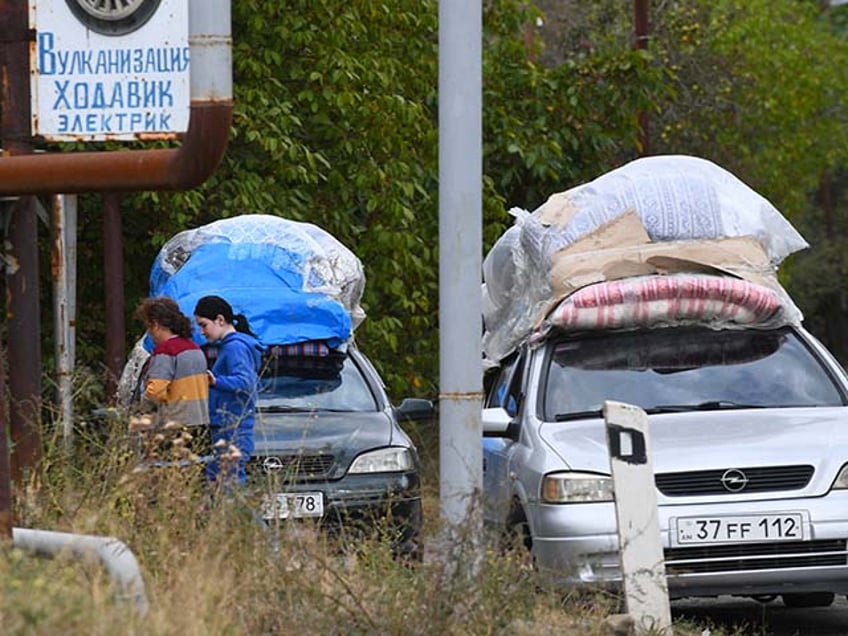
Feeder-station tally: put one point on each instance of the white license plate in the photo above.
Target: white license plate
(286, 505)
(785, 526)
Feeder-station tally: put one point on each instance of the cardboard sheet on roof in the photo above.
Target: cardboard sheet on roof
(622, 249)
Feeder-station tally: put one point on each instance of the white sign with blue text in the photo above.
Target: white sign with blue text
(107, 71)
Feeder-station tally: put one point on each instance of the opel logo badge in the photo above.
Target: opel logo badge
(272, 464)
(734, 480)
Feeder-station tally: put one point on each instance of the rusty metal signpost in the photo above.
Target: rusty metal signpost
(79, 70)
(99, 74)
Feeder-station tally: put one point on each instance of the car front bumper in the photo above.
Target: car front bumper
(384, 503)
(578, 544)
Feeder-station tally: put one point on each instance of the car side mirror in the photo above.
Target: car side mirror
(415, 409)
(498, 423)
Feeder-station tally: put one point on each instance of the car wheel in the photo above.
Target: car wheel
(808, 599)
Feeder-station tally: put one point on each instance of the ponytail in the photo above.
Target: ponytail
(241, 324)
(211, 307)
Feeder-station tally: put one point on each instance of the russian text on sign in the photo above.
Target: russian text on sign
(52, 61)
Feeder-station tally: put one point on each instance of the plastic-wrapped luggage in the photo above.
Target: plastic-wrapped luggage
(299, 287)
(653, 216)
(293, 281)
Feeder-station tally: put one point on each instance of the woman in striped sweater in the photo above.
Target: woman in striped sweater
(174, 381)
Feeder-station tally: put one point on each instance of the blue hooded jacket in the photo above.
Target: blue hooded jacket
(232, 400)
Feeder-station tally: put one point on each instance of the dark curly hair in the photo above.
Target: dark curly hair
(167, 313)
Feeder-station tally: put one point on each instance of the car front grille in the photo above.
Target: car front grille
(709, 482)
(757, 556)
(295, 466)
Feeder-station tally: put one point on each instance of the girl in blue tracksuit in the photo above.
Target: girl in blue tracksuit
(233, 384)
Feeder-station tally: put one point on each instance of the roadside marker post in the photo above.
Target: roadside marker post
(642, 563)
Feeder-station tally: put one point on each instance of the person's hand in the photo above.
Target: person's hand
(140, 423)
(211, 377)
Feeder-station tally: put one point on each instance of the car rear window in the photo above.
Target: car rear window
(314, 382)
(677, 369)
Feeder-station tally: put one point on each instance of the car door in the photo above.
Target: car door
(500, 413)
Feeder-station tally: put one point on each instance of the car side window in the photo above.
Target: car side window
(510, 393)
(498, 386)
(496, 382)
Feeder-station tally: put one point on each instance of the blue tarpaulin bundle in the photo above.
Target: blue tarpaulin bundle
(293, 281)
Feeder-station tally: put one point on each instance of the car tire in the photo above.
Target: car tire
(809, 599)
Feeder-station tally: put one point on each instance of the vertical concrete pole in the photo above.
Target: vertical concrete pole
(460, 263)
(22, 302)
(113, 256)
(640, 545)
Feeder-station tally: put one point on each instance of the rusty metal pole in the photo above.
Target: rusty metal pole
(22, 303)
(62, 224)
(5, 484)
(113, 253)
(640, 20)
(6, 522)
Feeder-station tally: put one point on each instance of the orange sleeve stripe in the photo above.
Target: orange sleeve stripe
(157, 390)
(192, 387)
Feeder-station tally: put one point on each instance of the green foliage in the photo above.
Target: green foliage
(760, 91)
(760, 88)
(335, 123)
(552, 124)
(756, 86)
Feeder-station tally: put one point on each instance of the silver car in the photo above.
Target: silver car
(749, 436)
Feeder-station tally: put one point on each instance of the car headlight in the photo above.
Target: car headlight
(841, 479)
(576, 488)
(383, 460)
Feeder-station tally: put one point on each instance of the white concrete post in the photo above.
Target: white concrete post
(460, 264)
(642, 563)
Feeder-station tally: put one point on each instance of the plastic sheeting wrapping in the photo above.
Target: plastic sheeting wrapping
(292, 280)
(678, 199)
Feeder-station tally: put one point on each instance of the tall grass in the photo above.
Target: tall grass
(211, 568)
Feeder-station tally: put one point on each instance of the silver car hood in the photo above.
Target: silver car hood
(698, 440)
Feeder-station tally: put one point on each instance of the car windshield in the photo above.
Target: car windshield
(306, 383)
(675, 369)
